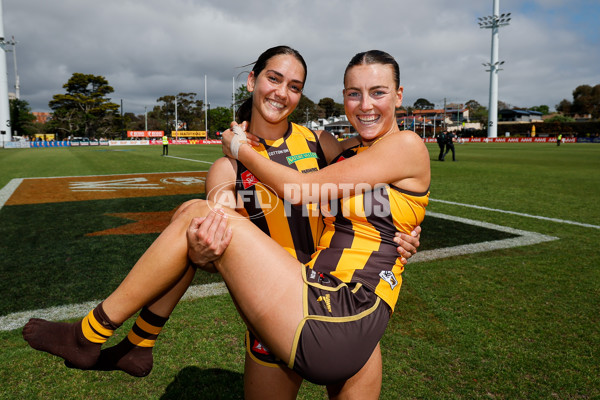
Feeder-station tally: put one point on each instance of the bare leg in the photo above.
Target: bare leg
(161, 266)
(264, 279)
(267, 383)
(134, 354)
(274, 312)
(365, 385)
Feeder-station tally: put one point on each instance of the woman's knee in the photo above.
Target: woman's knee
(189, 208)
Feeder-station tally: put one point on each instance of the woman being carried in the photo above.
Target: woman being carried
(293, 312)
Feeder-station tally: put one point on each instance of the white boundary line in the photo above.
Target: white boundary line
(524, 238)
(561, 221)
(72, 311)
(8, 190)
(189, 159)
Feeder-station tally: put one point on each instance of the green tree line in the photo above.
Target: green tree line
(86, 110)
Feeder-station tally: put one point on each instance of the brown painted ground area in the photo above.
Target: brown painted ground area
(83, 188)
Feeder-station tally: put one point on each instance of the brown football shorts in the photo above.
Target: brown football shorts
(343, 322)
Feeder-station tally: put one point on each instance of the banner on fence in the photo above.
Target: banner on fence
(510, 140)
(138, 134)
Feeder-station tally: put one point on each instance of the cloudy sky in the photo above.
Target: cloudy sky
(150, 48)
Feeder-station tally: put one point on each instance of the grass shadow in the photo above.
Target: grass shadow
(212, 383)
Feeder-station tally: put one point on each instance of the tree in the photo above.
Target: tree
(559, 118)
(473, 105)
(241, 94)
(503, 106)
(190, 112)
(84, 110)
(564, 107)
(219, 120)
(327, 104)
(544, 109)
(330, 108)
(339, 109)
(477, 112)
(586, 100)
(305, 111)
(423, 104)
(21, 119)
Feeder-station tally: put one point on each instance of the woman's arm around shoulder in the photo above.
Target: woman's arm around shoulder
(330, 145)
(400, 156)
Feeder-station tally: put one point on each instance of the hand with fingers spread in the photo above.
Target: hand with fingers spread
(407, 244)
(207, 238)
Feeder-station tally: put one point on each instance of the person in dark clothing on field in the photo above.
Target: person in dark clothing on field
(441, 141)
(450, 139)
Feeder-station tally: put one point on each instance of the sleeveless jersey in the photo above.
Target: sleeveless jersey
(357, 242)
(295, 228)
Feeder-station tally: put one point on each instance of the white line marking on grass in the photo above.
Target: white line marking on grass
(561, 221)
(524, 238)
(73, 311)
(189, 159)
(8, 190)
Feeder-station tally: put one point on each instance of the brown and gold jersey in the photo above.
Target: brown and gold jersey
(357, 242)
(296, 228)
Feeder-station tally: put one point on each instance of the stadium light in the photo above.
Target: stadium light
(494, 22)
(13, 43)
(5, 129)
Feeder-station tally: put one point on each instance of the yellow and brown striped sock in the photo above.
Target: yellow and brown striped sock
(133, 354)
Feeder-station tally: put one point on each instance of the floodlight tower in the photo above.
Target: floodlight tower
(17, 84)
(4, 107)
(494, 22)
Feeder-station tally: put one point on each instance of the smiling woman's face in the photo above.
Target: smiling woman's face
(277, 89)
(370, 100)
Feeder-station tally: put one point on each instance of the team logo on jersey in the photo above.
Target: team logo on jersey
(248, 179)
(342, 158)
(319, 277)
(326, 301)
(389, 277)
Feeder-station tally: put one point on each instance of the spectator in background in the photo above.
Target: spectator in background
(441, 141)
(450, 139)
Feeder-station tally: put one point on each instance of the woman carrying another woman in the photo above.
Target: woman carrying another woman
(276, 82)
(323, 319)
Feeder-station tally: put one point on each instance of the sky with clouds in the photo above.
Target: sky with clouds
(148, 49)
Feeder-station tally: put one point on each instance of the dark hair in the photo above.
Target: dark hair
(244, 112)
(375, 57)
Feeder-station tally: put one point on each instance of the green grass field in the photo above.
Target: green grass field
(515, 323)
